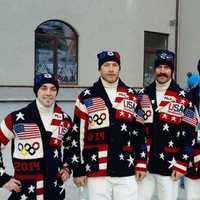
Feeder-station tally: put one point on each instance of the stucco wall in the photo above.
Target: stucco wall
(113, 24)
(189, 39)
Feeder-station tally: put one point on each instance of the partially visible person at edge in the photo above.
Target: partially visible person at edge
(192, 80)
(169, 126)
(192, 179)
(37, 133)
(108, 135)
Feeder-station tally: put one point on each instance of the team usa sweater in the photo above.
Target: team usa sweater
(108, 139)
(37, 154)
(169, 129)
(194, 164)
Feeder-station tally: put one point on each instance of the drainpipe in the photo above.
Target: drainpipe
(176, 36)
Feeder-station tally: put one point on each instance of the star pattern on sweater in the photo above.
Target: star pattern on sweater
(171, 144)
(68, 138)
(134, 98)
(178, 134)
(87, 168)
(183, 101)
(190, 165)
(19, 115)
(193, 142)
(171, 162)
(55, 153)
(74, 143)
(162, 156)
(94, 157)
(121, 113)
(31, 189)
(55, 183)
(55, 141)
(143, 154)
(130, 160)
(182, 93)
(183, 133)
(164, 116)
(130, 90)
(62, 188)
(65, 115)
(173, 119)
(141, 91)
(190, 104)
(166, 127)
(23, 197)
(75, 128)
(185, 156)
(75, 159)
(121, 157)
(123, 127)
(87, 92)
(135, 132)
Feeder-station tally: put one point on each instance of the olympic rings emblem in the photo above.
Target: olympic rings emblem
(97, 119)
(147, 114)
(27, 148)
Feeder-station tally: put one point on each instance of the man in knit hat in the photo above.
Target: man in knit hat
(37, 132)
(109, 151)
(169, 125)
(192, 180)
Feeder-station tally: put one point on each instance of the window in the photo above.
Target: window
(56, 51)
(152, 41)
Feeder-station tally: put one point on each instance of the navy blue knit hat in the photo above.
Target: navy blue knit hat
(164, 57)
(105, 56)
(41, 79)
(198, 66)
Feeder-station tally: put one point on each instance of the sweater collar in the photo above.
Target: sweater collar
(164, 86)
(44, 110)
(109, 85)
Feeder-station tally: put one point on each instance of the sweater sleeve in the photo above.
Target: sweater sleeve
(6, 134)
(188, 126)
(78, 130)
(67, 142)
(140, 145)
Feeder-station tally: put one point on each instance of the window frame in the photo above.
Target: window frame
(152, 50)
(55, 51)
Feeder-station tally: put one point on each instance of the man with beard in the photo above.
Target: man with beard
(38, 133)
(169, 125)
(109, 150)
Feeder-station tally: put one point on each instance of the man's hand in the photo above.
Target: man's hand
(13, 185)
(64, 174)
(176, 175)
(139, 175)
(80, 181)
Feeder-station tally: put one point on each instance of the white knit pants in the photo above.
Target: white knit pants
(112, 188)
(164, 186)
(192, 189)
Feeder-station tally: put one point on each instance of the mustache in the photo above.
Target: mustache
(162, 74)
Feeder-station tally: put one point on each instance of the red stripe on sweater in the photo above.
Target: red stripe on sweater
(3, 139)
(80, 114)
